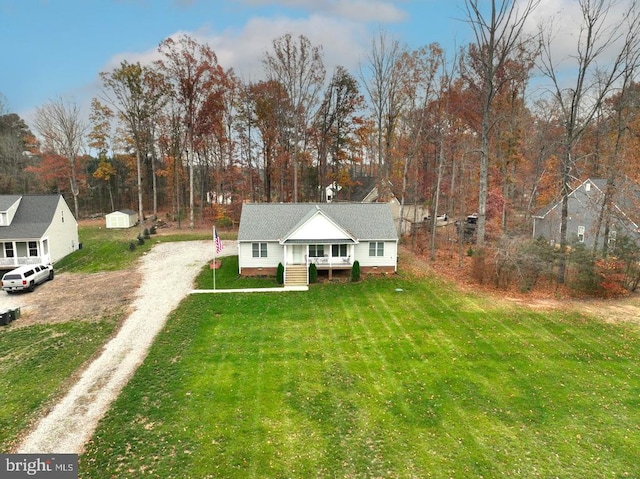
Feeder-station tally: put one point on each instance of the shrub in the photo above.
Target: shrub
(132, 245)
(153, 229)
(140, 240)
(146, 234)
(627, 251)
(313, 273)
(224, 222)
(583, 278)
(355, 271)
(522, 260)
(280, 274)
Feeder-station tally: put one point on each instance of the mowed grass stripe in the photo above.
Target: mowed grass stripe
(358, 380)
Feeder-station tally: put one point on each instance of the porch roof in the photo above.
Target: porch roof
(322, 241)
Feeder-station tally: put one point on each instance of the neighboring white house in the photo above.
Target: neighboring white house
(330, 235)
(35, 229)
(121, 219)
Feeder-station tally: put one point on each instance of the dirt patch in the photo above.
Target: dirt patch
(75, 296)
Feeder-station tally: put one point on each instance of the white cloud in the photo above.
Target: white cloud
(563, 20)
(342, 42)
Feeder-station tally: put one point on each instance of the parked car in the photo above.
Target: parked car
(26, 277)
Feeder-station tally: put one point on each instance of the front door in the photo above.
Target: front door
(298, 253)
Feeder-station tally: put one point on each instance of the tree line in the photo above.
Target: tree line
(498, 127)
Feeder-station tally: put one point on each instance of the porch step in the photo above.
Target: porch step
(295, 275)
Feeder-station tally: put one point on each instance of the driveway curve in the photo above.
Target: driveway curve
(168, 272)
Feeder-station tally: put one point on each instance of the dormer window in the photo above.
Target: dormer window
(587, 186)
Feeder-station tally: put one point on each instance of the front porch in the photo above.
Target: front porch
(326, 257)
(19, 253)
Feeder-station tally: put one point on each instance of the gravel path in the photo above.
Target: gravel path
(168, 271)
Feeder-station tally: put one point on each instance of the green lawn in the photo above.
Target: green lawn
(362, 380)
(36, 363)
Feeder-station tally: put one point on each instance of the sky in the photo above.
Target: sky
(55, 49)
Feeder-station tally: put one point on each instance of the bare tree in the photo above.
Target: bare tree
(300, 69)
(599, 38)
(498, 36)
(192, 69)
(383, 81)
(62, 128)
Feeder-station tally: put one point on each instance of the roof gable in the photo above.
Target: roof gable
(317, 226)
(586, 190)
(8, 207)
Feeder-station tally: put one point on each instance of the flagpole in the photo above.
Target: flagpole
(215, 247)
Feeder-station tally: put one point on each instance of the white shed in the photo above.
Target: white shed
(122, 219)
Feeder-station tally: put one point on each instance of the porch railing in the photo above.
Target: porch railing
(330, 261)
(6, 263)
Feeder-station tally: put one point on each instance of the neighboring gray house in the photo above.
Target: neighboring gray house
(584, 208)
(121, 219)
(35, 229)
(330, 235)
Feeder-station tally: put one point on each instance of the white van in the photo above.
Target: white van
(26, 277)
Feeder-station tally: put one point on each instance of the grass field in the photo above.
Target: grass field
(36, 363)
(362, 380)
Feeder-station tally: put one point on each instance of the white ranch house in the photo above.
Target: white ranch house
(330, 235)
(35, 229)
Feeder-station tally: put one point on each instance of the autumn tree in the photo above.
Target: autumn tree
(498, 36)
(137, 93)
(298, 66)
(336, 123)
(193, 73)
(273, 119)
(600, 42)
(63, 130)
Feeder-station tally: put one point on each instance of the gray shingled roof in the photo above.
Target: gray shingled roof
(274, 221)
(32, 218)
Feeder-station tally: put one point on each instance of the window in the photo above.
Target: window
(316, 250)
(259, 250)
(33, 248)
(376, 248)
(8, 250)
(339, 250)
(581, 234)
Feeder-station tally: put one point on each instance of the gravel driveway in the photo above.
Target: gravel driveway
(168, 271)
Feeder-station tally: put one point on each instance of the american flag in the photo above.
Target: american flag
(217, 240)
